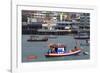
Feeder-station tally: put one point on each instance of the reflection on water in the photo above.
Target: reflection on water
(39, 49)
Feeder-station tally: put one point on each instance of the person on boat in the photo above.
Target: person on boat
(56, 49)
(64, 49)
(73, 50)
(49, 51)
(53, 50)
(76, 49)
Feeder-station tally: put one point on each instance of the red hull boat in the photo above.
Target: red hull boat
(62, 54)
(58, 50)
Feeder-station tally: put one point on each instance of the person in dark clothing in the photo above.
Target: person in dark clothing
(64, 49)
(75, 48)
(49, 51)
(56, 50)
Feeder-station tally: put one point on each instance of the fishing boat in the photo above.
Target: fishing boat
(60, 50)
(32, 39)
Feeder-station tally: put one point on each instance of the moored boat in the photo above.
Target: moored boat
(31, 39)
(37, 40)
(82, 36)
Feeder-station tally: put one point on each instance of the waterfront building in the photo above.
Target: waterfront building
(84, 22)
(49, 20)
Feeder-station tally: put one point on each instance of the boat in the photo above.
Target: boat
(37, 40)
(82, 36)
(32, 39)
(62, 54)
(61, 51)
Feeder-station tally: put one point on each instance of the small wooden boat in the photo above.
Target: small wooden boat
(62, 54)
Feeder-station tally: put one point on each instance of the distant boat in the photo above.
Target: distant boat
(82, 36)
(60, 50)
(37, 38)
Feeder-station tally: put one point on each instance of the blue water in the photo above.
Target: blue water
(40, 48)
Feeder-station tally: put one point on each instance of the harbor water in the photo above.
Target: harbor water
(40, 48)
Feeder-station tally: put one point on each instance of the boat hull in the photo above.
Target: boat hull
(62, 54)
